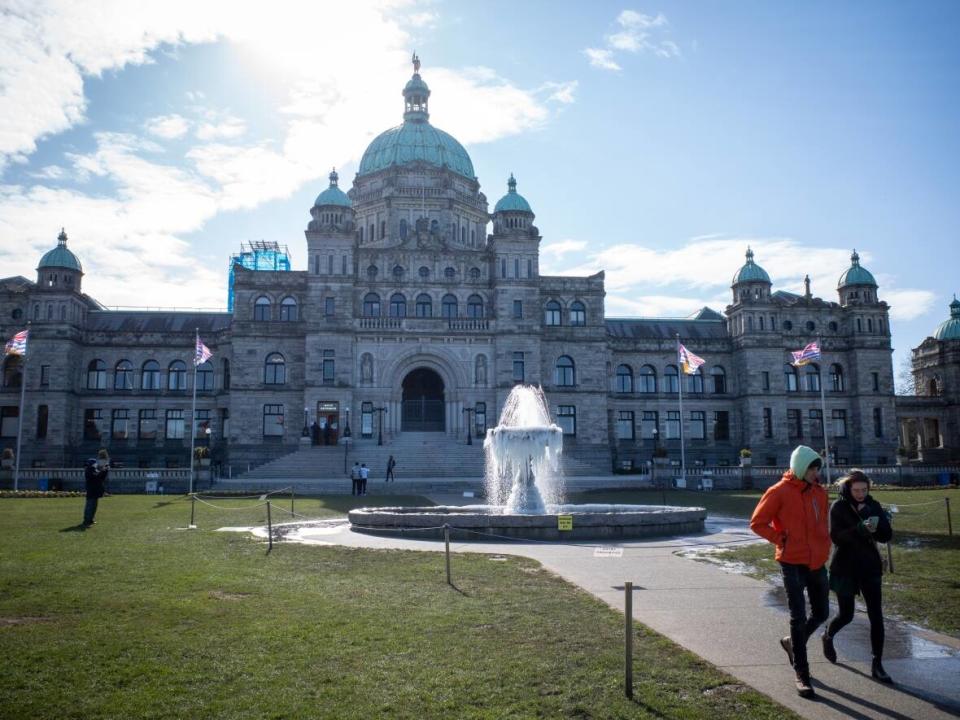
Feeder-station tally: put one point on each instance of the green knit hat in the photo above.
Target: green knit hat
(801, 459)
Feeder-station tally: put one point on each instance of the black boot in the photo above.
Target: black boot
(878, 673)
(804, 686)
(829, 652)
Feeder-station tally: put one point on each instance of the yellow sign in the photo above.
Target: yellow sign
(564, 522)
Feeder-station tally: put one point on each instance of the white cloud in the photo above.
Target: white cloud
(168, 127)
(600, 58)
(561, 92)
(560, 248)
(637, 33)
(425, 20)
(226, 129)
(908, 304)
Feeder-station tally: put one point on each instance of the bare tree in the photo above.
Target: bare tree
(905, 382)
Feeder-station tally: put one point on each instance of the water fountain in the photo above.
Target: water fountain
(525, 491)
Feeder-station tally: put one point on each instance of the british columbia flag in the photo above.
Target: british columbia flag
(202, 354)
(808, 354)
(689, 362)
(17, 345)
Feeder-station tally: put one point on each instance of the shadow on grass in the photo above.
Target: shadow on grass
(75, 528)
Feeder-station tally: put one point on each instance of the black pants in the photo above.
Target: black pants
(355, 490)
(796, 579)
(90, 510)
(870, 589)
(363, 486)
(390, 475)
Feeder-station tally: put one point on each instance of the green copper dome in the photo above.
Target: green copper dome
(60, 256)
(856, 275)
(333, 195)
(416, 140)
(950, 329)
(751, 272)
(512, 201)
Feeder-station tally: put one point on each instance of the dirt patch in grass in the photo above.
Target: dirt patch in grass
(23, 620)
(223, 595)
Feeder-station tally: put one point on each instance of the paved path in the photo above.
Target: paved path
(732, 621)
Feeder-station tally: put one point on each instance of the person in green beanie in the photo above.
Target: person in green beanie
(793, 515)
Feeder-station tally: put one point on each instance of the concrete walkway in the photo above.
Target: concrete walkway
(730, 620)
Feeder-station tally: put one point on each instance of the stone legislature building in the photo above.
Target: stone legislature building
(418, 312)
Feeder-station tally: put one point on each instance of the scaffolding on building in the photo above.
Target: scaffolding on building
(258, 255)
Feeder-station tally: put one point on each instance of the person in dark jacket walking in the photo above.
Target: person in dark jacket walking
(95, 476)
(793, 516)
(391, 464)
(857, 524)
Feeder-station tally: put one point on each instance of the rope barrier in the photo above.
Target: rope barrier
(222, 507)
(245, 497)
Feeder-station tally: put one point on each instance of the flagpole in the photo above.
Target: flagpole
(680, 374)
(823, 412)
(193, 412)
(23, 391)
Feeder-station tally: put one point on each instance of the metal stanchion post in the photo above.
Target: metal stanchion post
(628, 629)
(446, 540)
(269, 529)
(193, 507)
(949, 519)
(291, 502)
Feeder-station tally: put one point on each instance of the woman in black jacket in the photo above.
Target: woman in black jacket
(857, 524)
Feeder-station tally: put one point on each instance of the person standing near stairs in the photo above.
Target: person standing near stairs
(391, 464)
(355, 479)
(364, 474)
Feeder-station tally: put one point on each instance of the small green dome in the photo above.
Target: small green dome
(751, 272)
(950, 329)
(333, 195)
(512, 201)
(60, 256)
(416, 84)
(856, 275)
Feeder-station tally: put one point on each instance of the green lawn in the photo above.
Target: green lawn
(139, 618)
(925, 585)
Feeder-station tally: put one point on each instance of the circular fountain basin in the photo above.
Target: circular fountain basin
(486, 522)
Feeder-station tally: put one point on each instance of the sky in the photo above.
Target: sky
(654, 140)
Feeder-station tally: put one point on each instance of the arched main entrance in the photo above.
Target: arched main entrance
(423, 402)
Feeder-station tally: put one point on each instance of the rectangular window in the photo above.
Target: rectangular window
(876, 383)
(518, 367)
(343, 265)
(148, 425)
(316, 264)
(766, 381)
(625, 425)
(878, 422)
(93, 424)
(329, 306)
(201, 423)
(43, 414)
(8, 421)
(329, 264)
(174, 426)
(816, 423)
(517, 309)
(328, 367)
(516, 267)
(721, 425)
(839, 423)
(698, 425)
(44, 375)
(273, 420)
(503, 267)
(794, 428)
(648, 424)
(529, 268)
(366, 419)
(567, 419)
(120, 424)
(673, 424)
(767, 422)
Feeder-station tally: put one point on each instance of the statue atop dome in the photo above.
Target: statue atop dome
(416, 62)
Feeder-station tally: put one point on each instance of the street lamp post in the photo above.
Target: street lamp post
(306, 422)
(346, 440)
(468, 411)
(379, 411)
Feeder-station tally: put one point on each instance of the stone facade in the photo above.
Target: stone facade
(411, 316)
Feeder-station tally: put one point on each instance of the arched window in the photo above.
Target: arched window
(647, 379)
(261, 308)
(403, 229)
(695, 381)
(475, 273)
(123, 375)
(473, 237)
(398, 305)
(288, 309)
(12, 371)
(480, 371)
(371, 232)
(97, 375)
(205, 377)
(836, 378)
(177, 375)
(450, 273)
(372, 271)
(150, 375)
(578, 313)
(274, 370)
(790, 378)
(671, 379)
(463, 234)
(398, 272)
(811, 378)
(565, 374)
(371, 305)
(448, 307)
(434, 227)
(383, 229)
(870, 325)
(624, 379)
(551, 313)
(424, 306)
(719, 377)
(475, 307)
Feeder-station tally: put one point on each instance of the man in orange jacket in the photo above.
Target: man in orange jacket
(793, 516)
